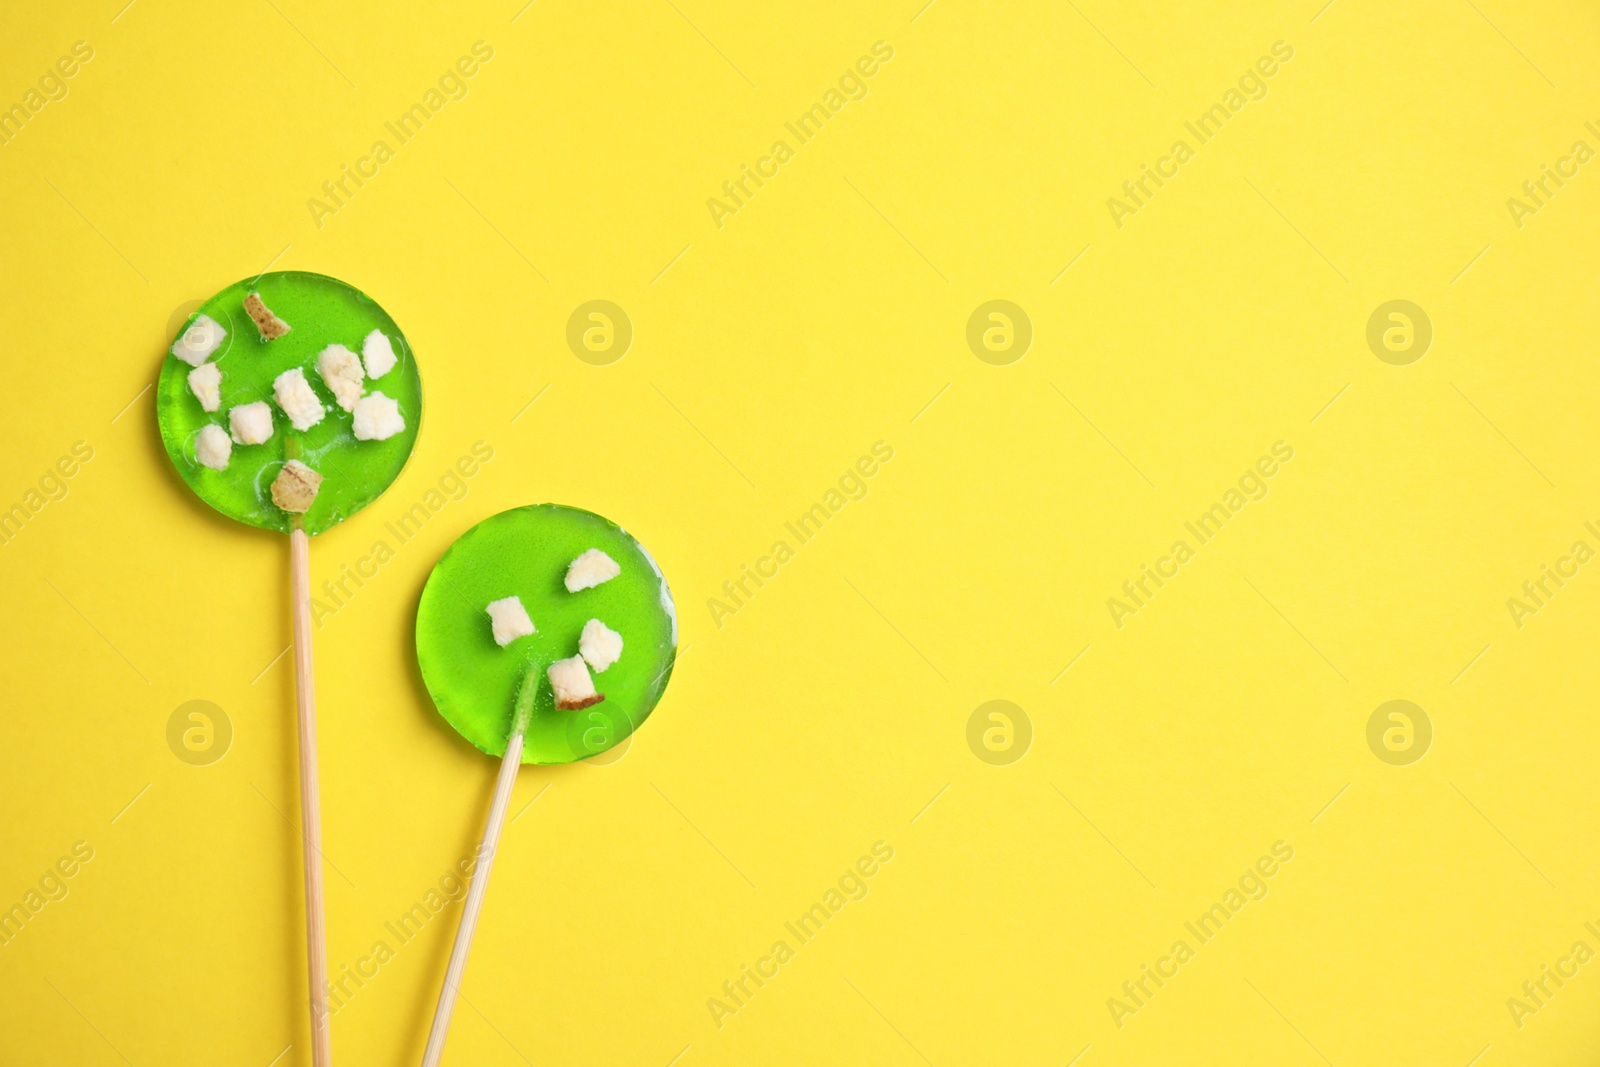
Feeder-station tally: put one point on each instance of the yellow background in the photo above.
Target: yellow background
(826, 715)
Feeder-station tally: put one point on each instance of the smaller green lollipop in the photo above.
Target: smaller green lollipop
(290, 401)
(518, 680)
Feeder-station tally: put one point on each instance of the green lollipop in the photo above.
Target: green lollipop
(545, 634)
(290, 401)
(526, 553)
(321, 312)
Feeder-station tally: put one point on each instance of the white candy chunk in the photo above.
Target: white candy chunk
(212, 448)
(341, 372)
(591, 569)
(573, 687)
(205, 381)
(195, 345)
(509, 620)
(600, 645)
(297, 400)
(377, 418)
(378, 354)
(251, 423)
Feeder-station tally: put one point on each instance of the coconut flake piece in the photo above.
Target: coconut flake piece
(509, 620)
(377, 418)
(251, 423)
(212, 447)
(297, 400)
(341, 373)
(573, 687)
(592, 568)
(270, 326)
(205, 381)
(600, 645)
(195, 344)
(378, 354)
(295, 487)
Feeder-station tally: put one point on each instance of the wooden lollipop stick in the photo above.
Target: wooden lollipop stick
(480, 878)
(310, 802)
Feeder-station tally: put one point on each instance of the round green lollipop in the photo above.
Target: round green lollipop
(525, 553)
(290, 401)
(320, 311)
(505, 697)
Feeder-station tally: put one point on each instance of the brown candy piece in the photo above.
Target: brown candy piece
(270, 326)
(295, 487)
